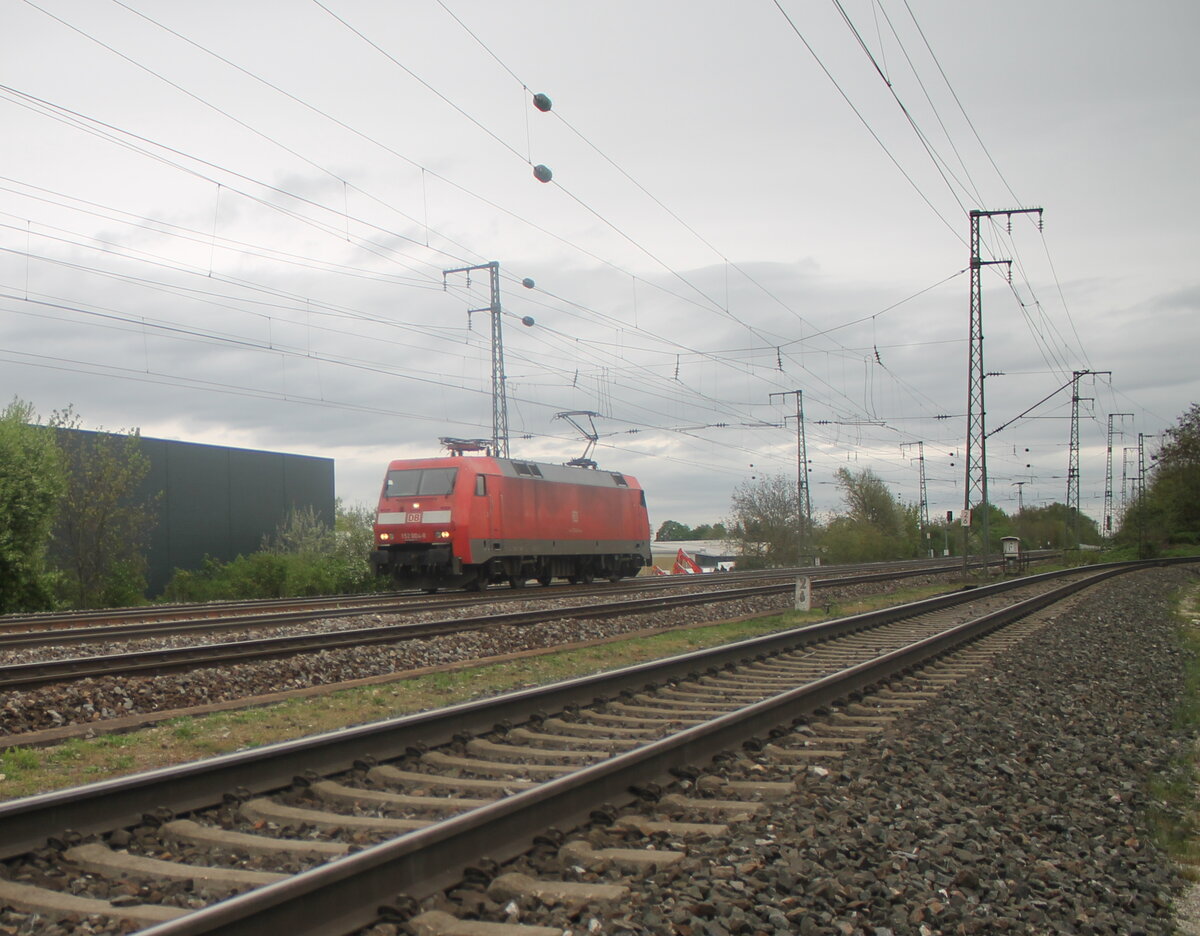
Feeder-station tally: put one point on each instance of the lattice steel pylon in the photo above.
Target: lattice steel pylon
(1108, 476)
(976, 480)
(1073, 457)
(1073, 465)
(1126, 478)
(1141, 493)
(499, 391)
(923, 508)
(803, 498)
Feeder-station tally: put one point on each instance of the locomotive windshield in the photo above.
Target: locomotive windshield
(419, 481)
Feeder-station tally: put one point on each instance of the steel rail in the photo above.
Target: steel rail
(25, 675)
(29, 675)
(343, 895)
(25, 824)
(200, 612)
(349, 606)
(194, 611)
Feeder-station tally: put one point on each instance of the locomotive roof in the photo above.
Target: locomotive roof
(521, 468)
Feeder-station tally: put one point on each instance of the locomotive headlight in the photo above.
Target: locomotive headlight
(384, 537)
(443, 534)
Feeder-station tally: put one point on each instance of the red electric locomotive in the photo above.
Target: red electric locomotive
(468, 521)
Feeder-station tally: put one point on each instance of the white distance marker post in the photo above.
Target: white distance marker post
(804, 593)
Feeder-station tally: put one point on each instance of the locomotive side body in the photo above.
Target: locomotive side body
(471, 521)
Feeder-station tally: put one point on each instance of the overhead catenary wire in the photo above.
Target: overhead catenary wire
(637, 344)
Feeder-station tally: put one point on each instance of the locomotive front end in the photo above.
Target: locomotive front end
(415, 526)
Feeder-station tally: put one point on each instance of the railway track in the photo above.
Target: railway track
(507, 768)
(168, 659)
(93, 625)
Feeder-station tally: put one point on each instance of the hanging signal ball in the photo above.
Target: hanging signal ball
(542, 102)
(527, 321)
(542, 173)
(528, 283)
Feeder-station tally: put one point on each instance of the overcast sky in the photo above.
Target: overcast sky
(227, 223)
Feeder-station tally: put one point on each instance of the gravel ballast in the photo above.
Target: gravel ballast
(92, 701)
(1016, 803)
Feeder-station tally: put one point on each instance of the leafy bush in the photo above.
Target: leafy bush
(304, 557)
(32, 480)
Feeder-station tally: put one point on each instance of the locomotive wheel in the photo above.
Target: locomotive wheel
(544, 580)
(516, 582)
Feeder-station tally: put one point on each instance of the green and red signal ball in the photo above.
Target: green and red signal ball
(542, 173)
(542, 102)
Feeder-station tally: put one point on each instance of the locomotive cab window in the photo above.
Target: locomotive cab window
(481, 485)
(426, 482)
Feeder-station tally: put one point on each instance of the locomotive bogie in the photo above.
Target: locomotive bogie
(469, 522)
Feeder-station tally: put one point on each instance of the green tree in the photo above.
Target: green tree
(1169, 509)
(876, 526)
(672, 531)
(354, 528)
(32, 479)
(763, 522)
(869, 501)
(1048, 527)
(103, 525)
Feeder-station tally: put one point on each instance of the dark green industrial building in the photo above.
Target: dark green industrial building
(221, 502)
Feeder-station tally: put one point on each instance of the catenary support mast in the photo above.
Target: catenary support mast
(1108, 476)
(975, 490)
(803, 500)
(499, 391)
